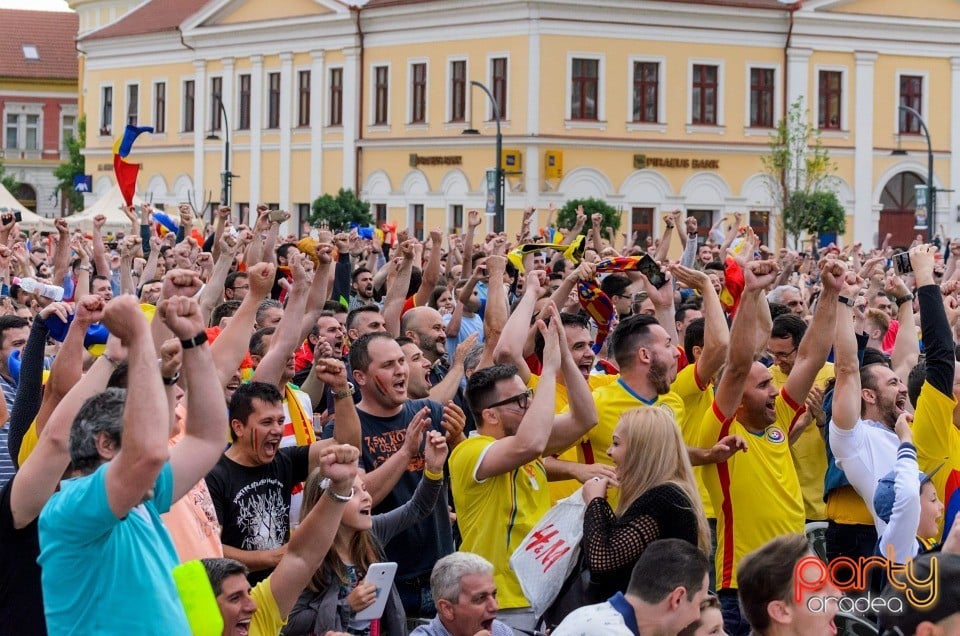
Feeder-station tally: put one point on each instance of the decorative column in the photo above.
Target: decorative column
(864, 228)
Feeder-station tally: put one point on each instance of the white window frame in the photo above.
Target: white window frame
(166, 101)
(720, 126)
(113, 109)
(601, 121)
(924, 99)
(265, 123)
(327, 111)
(488, 108)
(661, 124)
(373, 95)
(448, 91)
(777, 96)
(844, 100)
(126, 103)
(20, 110)
(183, 104)
(426, 97)
(412, 218)
(68, 110)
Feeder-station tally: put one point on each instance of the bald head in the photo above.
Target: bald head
(424, 325)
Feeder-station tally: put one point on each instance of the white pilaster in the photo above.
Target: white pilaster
(533, 80)
(286, 125)
(948, 216)
(351, 115)
(256, 124)
(864, 229)
(317, 119)
(798, 75)
(199, 122)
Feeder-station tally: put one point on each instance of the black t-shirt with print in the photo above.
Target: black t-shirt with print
(253, 502)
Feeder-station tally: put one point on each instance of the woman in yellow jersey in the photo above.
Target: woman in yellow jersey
(658, 499)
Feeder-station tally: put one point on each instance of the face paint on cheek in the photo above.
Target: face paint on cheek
(379, 386)
(253, 440)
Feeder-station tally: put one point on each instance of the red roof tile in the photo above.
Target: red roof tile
(154, 16)
(52, 32)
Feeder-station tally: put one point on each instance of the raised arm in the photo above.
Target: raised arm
(40, 474)
(61, 260)
(906, 346)
(743, 337)
(509, 348)
(314, 536)
(431, 271)
(212, 293)
(497, 311)
(100, 262)
(133, 471)
(346, 422)
(205, 431)
(384, 477)
(846, 366)
(937, 338)
(815, 346)
(285, 339)
(230, 346)
(716, 335)
(533, 433)
(397, 291)
(319, 287)
(582, 416)
(473, 221)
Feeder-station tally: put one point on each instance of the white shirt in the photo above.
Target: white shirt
(593, 620)
(865, 453)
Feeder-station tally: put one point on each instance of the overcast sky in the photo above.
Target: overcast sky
(44, 5)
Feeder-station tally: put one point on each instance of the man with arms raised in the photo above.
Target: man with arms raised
(498, 480)
(757, 494)
(106, 558)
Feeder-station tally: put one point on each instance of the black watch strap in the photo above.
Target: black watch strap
(846, 301)
(196, 341)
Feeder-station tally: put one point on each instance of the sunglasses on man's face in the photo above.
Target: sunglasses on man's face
(522, 400)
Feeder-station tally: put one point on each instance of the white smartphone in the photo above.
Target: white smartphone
(381, 575)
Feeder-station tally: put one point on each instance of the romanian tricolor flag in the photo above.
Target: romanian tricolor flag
(126, 172)
(733, 282)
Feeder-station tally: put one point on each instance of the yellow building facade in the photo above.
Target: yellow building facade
(651, 106)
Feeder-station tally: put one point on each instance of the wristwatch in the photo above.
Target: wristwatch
(846, 301)
(904, 299)
(172, 380)
(344, 393)
(325, 486)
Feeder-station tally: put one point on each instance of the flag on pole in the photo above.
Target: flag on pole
(126, 172)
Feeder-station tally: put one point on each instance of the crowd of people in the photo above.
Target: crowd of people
(221, 429)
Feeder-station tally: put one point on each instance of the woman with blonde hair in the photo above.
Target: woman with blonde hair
(658, 500)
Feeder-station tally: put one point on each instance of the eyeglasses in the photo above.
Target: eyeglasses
(522, 400)
(781, 356)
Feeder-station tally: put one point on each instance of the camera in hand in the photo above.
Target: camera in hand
(902, 262)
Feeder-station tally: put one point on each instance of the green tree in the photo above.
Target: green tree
(73, 166)
(567, 217)
(798, 170)
(340, 211)
(8, 180)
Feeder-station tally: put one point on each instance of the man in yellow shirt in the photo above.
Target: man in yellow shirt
(757, 494)
(263, 610)
(564, 471)
(498, 481)
(807, 447)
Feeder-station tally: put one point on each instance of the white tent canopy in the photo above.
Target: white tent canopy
(31, 221)
(109, 206)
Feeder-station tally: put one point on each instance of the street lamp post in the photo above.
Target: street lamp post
(498, 220)
(931, 189)
(226, 177)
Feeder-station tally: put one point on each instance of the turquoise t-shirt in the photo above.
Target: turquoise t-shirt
(103, 575)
